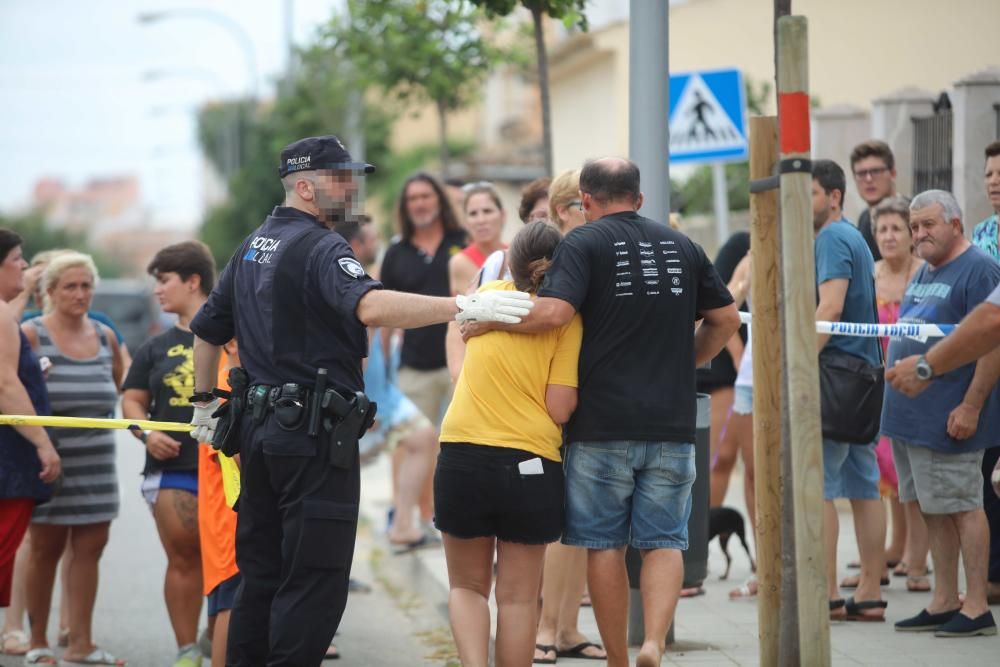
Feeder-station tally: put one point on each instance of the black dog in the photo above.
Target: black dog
(723, 522)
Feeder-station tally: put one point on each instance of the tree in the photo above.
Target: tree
(312, 102)
(571, 13)
(415, 51)
(38, 235)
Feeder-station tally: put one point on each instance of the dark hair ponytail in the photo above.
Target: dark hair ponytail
(530, 254)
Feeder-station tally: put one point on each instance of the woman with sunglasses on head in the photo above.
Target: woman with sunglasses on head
(565, 580)
(498, 486)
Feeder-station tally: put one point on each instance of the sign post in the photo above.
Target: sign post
(708, 124)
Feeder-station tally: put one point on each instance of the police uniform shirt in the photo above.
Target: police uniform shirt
(334, 282)
(639, 286)
(407, 268)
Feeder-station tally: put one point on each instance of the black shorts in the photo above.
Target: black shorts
(480, 492)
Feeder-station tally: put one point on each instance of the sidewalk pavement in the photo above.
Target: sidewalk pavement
(712, 629)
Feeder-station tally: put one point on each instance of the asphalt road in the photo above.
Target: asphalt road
(385, 627)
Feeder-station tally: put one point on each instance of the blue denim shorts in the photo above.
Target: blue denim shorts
(628, 492)
(742, 400)
(850, 471)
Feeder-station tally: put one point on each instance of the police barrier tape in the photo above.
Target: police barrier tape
(876, 330)
(88, 422)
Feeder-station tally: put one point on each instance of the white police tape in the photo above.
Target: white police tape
(876, 330)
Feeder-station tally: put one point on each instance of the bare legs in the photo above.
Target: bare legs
(416, 461)
(14, 615)
(176, 515)
(660, 585)
(87, 544)
(950, 534)
(562, 587)
(470, 576)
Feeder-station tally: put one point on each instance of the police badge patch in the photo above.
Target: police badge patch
(351, 267)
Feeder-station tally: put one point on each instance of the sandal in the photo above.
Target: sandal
(14, 642)
(837, 612)
(856, 610)
(40, 656)
(579, 652)
(96, 657)
(747, 590)
(332, 652)
(545, 649)
(853, 581)
(918, 584)
(63, 640)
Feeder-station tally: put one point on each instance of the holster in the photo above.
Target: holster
(227, 430)
(345, 421)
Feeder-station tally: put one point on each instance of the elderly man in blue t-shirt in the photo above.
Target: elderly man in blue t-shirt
(845, 282)
(938, 436)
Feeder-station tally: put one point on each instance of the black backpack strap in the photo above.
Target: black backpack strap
(289, 313)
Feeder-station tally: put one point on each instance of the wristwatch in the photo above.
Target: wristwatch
(924, 370)
(143, 436)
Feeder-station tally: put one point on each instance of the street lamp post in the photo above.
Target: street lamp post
(232, 26)
(231, 131)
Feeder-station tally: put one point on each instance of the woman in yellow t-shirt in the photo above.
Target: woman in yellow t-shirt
(499, 482)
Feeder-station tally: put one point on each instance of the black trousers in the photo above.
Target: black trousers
(991, 504)
(295, 535)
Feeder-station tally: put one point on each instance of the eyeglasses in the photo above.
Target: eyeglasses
(575, 203)
(478, 185)
(865, 174)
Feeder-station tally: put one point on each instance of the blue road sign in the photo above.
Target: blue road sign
(708, 117)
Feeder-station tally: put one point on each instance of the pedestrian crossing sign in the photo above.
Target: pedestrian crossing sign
(708, 116)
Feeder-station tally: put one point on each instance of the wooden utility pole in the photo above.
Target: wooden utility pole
(765, 244)
(799, 344)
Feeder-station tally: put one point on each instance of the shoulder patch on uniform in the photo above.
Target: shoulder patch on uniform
(351, 267)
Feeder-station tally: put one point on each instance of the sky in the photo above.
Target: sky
(75, 104)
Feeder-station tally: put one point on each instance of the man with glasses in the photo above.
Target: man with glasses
(874, 170)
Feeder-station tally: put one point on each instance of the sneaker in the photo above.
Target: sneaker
(925, 621)
(188, 656)
(205, 644)
(962, 626)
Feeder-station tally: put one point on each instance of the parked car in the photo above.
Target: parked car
(131, 306)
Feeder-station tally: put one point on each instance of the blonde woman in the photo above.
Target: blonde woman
(565, 207)
(83, 381)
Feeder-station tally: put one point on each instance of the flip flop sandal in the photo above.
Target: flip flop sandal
(63, 637)
(918, 584)
(836, 609)
(14, 642)
(855, 610)
(577, 652)
(96, 657)
(692, 592)
(745, 591)
(852, 582)
(40, 656)
(409, 547)
(545, 649)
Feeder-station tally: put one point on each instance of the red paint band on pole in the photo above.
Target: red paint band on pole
(793, 121)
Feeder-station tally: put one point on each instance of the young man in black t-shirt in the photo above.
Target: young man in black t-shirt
(640, 287)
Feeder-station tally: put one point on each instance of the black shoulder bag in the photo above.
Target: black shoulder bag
(851, 393)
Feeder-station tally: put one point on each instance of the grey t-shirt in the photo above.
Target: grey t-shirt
(994, 297)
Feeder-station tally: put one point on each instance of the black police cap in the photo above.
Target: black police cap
(314, 153)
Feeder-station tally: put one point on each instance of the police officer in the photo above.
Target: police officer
(298, 302)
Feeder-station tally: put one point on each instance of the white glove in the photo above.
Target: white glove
(494, 306)
(203, 421)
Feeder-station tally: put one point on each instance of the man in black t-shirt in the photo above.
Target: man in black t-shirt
(640, 287)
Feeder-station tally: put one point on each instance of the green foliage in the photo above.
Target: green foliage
(312, 102)
(402, 166)
(415, 51)
(570, 12)
(38, 235)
